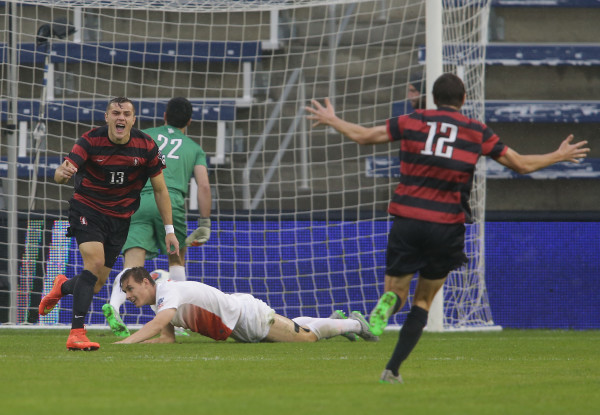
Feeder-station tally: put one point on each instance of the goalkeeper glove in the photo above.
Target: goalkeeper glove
(200, 235)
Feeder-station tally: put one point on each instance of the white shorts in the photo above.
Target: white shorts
(255, 320)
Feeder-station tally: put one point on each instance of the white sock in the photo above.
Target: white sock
(325, 328)
(177, 272)
(117, 296)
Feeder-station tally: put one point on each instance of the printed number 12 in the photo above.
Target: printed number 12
(443, 148)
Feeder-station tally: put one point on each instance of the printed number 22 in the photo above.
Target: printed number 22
(176, 142)
(442, 147)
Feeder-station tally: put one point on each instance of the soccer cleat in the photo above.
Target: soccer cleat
(340, 315)
(388, 377)
(365, 330)
(113, 319)
(53, 297)
(78, 341)
(381, 313)
(180, 331)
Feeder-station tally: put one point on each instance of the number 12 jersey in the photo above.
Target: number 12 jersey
(438, 153)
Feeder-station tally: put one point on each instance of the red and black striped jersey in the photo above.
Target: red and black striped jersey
(438, 153)
(110, 176)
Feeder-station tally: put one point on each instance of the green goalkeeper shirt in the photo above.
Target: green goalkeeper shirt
(181, 154)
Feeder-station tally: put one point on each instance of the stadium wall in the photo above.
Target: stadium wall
(544, 274)
(538, 274)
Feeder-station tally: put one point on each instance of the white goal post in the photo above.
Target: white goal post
(299, 213)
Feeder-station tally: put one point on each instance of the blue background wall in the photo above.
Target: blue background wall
(544, 274)
(538, 274)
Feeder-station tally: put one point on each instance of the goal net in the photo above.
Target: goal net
(299, 213)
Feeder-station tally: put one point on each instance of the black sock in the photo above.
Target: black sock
(83, 293)
(397, 305)
(69, 285)
(409, 337)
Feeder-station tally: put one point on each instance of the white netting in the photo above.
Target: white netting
(465, 33)
(299, 217)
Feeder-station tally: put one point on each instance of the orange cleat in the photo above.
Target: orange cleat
(78, 341)
(53, 297)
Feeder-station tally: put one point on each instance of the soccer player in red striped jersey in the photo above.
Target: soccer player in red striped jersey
(110, 166)
(438, 152)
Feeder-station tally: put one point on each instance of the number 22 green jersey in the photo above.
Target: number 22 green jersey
(181, 155)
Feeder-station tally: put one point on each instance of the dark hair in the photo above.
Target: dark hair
(179, 112)
(119, 101)
(416, 80)
(138, 274)
(448, 89)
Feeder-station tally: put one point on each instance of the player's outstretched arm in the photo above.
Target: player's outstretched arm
(567, 151)
(151, 328)
(325, 115)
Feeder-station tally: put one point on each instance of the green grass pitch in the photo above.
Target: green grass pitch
(507, 372)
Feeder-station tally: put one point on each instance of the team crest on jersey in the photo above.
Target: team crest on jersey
(160, 303)
(83, 220)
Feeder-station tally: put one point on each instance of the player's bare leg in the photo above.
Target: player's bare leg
(285, 330)
(426, 291)
(177, 265)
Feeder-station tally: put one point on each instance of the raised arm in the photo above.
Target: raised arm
(163, 202)
(529, 163)
(362, 135)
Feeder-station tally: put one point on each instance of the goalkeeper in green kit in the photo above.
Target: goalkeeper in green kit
(184, 159)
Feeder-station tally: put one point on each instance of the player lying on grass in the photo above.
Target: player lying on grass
(212, 313)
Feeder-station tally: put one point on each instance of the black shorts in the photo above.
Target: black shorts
(432, 249)
(88, 225)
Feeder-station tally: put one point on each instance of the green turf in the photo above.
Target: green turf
(509, 372)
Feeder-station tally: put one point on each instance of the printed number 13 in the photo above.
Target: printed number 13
(117, 177)
(442, 147)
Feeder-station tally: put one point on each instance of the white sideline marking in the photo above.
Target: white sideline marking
(60, 326)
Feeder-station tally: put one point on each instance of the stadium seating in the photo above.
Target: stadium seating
(545, 3)
(89, 110)
(382, 166)
(26, 165)
(536, 111)
(140, 53)
(517, 54)
(529, 111)
(526, 111)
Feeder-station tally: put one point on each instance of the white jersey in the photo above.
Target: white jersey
(212, 313)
